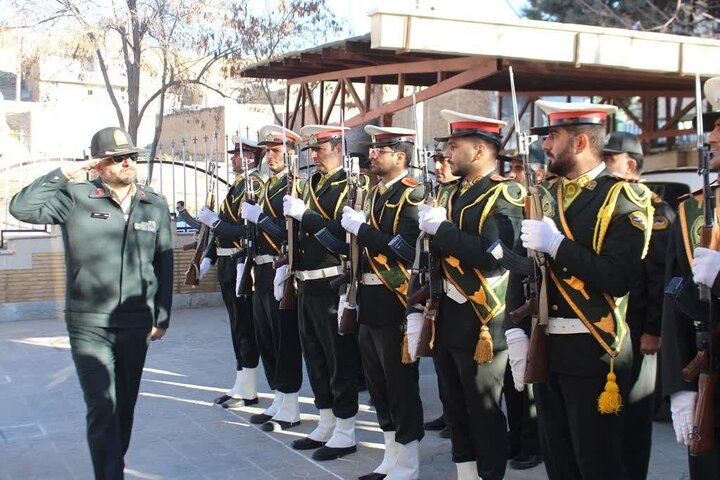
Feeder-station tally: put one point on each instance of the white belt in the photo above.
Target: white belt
(226, 252)
(320, 273)
(455, 295)
(370, 279)
(565, 326)
(262, 259)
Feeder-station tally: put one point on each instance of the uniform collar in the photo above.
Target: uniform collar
(393, 181)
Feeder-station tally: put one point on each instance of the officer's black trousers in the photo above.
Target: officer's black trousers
(639, 412)
(279, 343)
(471, 402)
(242, 329)
(109, 364)
(707, 466)
(577, 441)
(330, 359)
(521, 417)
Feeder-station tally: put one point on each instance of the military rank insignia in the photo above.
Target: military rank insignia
(638, 220)
(149, 226)
(660, 222)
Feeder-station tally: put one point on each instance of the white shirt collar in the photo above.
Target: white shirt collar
(394, 180)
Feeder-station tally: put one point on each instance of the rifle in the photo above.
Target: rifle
(289, 300)
(192, 275)
(428, 275)
(704, 364)
(246, 282)
(534, 268)
(351, 263)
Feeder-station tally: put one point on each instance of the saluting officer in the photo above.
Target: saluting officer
(623, 157)
(390, 210)
(226, 249)
(594, 236)
(331, 359)
(679, 345)
(276, 330)
(470, 346)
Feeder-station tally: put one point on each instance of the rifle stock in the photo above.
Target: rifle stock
(348, 321)
(703, 432)
(289, 299)
(192, 275)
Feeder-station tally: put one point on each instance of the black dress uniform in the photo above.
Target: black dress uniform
(226, 249)
(119, 264)
(644, 316)
(393, 386)
(331, 359)
(678, 332)
(276, 330)
(480, 212)
(605, 227)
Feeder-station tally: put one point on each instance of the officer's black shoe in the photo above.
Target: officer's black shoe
(275, 425)
(222, 399)
(306, 443)
(445, 432)
(435, 425)
(373, 476)
(332, 453)
(260, 418)
(239, 402)
(523, 461)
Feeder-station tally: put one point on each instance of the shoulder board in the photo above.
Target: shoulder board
(660, 222)
(409, 181)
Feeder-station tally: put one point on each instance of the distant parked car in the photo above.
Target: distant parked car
(671, 183)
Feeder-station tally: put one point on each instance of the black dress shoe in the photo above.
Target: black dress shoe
(275, 425)
(260, 418)
(306, 443)
(435, 425)
(332, 453)
(222, 399)
(446, 432)
(523, 461)
(372, 476)
(239, 402)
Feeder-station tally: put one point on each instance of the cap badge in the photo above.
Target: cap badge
(119, 137)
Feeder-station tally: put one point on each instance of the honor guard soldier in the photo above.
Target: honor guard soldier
(445, 180)
(331, 359)
(390, 213)
(470, 349)
(686, 257)
(594, 233)
(276, 330)
(536, 161)
(226, 249)
(623, 157)
(119, 262)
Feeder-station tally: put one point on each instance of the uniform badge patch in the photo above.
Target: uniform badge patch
(660, 222)
(100, 215)
(638, 220)
(547, 207)
(149, 226)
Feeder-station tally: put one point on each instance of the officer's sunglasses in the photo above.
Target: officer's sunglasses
(121, 158)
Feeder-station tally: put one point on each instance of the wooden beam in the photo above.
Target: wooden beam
(666, 133)
(679, 113)
(311, 103)
(401, 85)
(331, 103)
(460, 80)
(444, 65)
(321, 107)
(359, 103)
(368, 93)
(630, 114)
(601, 93)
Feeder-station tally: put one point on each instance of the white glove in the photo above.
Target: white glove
(705, 266)
(204, 267)
(541, 236)
(293, 207)
(342, 303)
(207, 216)
(518, 344)
(414, 326)
(240, 268)
(250, 212)
(430, 218)
(682, 408)
(279, 282)
(352, 220)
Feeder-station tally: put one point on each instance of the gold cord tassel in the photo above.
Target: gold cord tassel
(406, 359)
(484, 347)
(610, 400)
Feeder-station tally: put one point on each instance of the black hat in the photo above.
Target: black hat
(535, 155)
(439, 150)
(112, 142)
(246, 144)
(623, 142)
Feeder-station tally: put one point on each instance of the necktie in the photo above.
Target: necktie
(321, 182)
(465, 186)
(382, 189)
(273, 180)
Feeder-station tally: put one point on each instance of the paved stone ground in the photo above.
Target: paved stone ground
(178, 433)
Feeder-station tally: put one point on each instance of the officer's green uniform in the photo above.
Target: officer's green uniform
(228, 235)
(393, 386)
(119, 284)
(678, 332)
(471, 317)
(606, 224)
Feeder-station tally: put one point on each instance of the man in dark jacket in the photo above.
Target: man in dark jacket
(119, 264)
